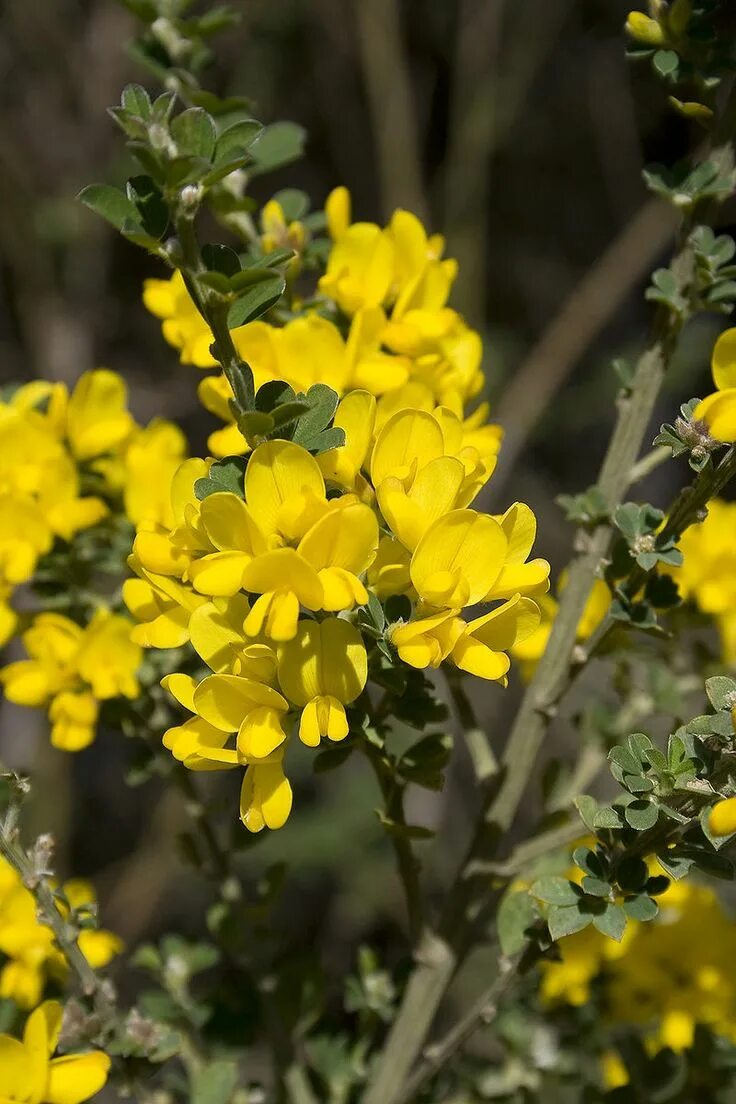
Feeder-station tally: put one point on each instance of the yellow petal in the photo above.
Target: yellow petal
(345, 538)
(274, 615)
(473, 656)
(217, 632)
(356, 415)
(718, 411)
(284, 569)
(325, 658)
(229, 524)
(181, 687)
(458, 559)
(13, 1070)
(281, 475)
(260, 733)
(337, 212)
(531, 579)
(323, 716)
(724, 360)
(219, 575)
(408, 441)
(76, 1077)
(432, 495)
(265, 797)
(97, 415)
(520, 526)
(224, 700)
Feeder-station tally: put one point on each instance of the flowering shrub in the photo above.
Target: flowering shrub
(325, 578)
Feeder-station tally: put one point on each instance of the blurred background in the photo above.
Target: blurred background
(517, 129)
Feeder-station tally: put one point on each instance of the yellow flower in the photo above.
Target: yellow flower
(707, 575)
(360, 268)
(97, 415)
(224, 704)
(482, 647)
(458, 559)
(71, 669)
(718, 410)
(323, 669)
(151, 459)
(29, 1074)
(162, 606)
(722, 821)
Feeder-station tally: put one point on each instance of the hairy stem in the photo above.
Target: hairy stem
(37, 884)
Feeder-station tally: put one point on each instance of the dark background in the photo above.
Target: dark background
(519, 130)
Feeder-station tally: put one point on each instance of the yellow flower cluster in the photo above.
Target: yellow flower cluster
(265, 579)
(30, 1074)
(53, 446)
(32, 957)
(382, 325)
(666, 975)
(708, 572)
(71, 670)
(254, 581)
(718, 410)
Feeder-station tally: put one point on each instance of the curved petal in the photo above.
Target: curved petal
(723, 361)
(76, 1077)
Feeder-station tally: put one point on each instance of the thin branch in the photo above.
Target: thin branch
(36, 882)
(481, 1013)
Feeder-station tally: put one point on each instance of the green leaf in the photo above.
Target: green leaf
(136, 100)
(110, 203)
(588, 861)
(641, 907)
(153, 213)
(666, 62)
(607, 817)
(194, 133)
(566, 921)
(641, 815)
(632, 874)
(239, 136)
(624, 759)
(611, 922)
(225, 475)
(256, 302)
(277, 145)
(323, 404)
(587, 807)
(675, 863)
(720, 691)
(221, 258)
(293, 202)
(214, 1083)
(249, 277)
(273, 394)
(555, 891)
(332, 758)
(596, 887)
(516, 912)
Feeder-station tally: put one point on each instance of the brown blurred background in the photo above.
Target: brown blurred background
(516, 128)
